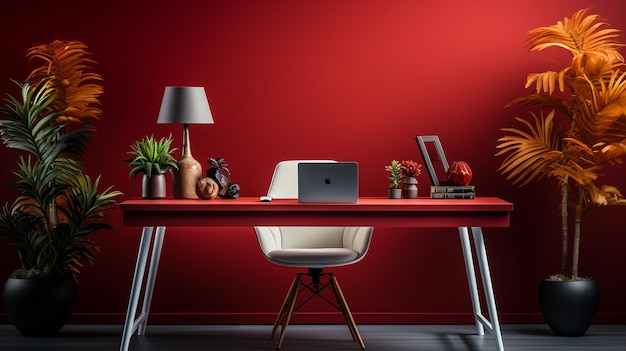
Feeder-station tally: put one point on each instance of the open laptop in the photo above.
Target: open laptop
(336, 182)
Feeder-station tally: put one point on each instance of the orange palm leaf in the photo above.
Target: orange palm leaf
(67, 65)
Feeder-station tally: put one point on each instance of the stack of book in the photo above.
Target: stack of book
(452, 192)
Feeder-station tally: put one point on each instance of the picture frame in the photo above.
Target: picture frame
(434, 158)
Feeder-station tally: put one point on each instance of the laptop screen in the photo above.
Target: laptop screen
(328, 182)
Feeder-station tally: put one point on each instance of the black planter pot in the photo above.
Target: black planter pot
(39, 307)
(154, 186)
(569, 307)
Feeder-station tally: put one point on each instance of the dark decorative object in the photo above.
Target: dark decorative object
(569, 306)
(220, 175)
(39, 307)
(220, 172)
(232, 192)
(459, 173)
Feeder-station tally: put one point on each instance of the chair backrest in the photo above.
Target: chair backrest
(284, 184)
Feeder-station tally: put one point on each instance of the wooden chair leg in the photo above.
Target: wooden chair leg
(295, 285)
(346, 312)
(289, 312)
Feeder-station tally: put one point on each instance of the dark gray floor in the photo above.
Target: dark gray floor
(316, 337)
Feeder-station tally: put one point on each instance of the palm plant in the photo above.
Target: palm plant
(591, 95)
(49, 125)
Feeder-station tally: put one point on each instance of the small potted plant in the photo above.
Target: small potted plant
(411, 170)
(395, 178)
(153, 158)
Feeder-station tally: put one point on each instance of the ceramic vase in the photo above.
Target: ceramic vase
(39, 307)
(569, 307)
(410, 188)
(394, 193)
(153, 187)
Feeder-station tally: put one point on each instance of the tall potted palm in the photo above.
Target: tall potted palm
(58, 205)
(589, 94)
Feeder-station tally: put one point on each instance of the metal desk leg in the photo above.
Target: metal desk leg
(471, 278)
(152, 272)
(481, 255)
(140, 266)
(492, 324)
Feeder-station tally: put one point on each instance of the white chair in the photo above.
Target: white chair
(314, 248)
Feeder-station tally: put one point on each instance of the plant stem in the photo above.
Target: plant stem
(564, 231)
(577, 223)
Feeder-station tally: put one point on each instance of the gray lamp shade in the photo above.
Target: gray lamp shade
(185, 105)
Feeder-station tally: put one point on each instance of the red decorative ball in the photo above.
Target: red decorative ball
(459, 173)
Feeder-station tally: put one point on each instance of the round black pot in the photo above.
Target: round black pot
(39, 307)
(568, 307)
(154, 186)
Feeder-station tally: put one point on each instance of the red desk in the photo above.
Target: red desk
(466, 215)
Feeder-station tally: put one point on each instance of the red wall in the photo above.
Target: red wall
(348, 80)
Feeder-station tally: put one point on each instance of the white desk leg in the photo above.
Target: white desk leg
(152, 272)
(140, 267)
(471, 278)
(481, 253)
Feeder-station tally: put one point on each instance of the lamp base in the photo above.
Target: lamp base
(185, 179)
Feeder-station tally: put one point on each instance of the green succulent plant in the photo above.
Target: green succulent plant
(395, 175)
(151, 156)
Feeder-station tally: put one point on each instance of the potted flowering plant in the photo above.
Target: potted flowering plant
(410, 170)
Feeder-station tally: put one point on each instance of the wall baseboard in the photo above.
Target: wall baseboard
(320, 318)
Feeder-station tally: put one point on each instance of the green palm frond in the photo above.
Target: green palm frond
(85, 204)
(27, 125)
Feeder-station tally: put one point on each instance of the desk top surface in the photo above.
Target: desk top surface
(365, 204)
(250, 211)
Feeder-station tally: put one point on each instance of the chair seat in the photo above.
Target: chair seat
(313, 257)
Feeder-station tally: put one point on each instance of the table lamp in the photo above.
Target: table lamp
(185, 105)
